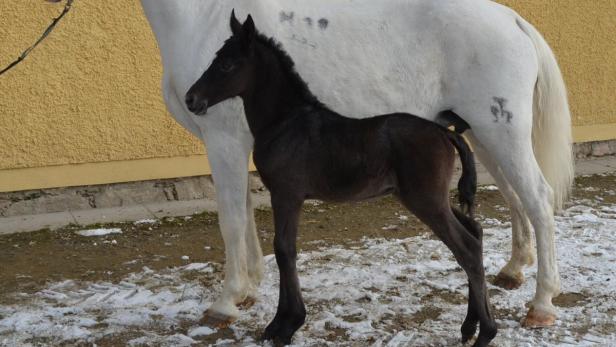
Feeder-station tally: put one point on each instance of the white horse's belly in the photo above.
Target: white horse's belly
(361, 58)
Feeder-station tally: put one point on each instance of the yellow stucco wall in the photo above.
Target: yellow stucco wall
(583, 36)
(85, 107)
(90, 93)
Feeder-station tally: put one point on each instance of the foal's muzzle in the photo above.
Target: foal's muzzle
(196, 105)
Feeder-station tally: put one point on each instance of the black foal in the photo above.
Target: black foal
(303, 151)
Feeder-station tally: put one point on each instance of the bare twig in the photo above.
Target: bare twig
(47, 31)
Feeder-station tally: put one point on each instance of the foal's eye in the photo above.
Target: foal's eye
(227, 66)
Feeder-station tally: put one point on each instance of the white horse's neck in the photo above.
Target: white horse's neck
(190, 29)
(167, 17)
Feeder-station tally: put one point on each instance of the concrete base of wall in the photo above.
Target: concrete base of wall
(181, 191)
(148, 194)
(594, 149)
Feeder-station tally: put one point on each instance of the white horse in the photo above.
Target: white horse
(476, 58)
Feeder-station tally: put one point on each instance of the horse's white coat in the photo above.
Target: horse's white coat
(365, 57)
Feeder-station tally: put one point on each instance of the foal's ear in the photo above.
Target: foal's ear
(236, 26)
(249, 31)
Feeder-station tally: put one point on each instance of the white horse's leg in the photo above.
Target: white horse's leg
(254, 253)
(522, 250)
(518, 164)
(228, 156)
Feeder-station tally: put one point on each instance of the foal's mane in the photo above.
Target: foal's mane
(288, 67)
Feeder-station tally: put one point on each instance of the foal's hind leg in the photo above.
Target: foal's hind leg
(469, 327)
(522, 250)
(465, 244)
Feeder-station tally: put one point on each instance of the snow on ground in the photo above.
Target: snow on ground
(379, 293)
(99, 232)
(490, 187)
(146, 221)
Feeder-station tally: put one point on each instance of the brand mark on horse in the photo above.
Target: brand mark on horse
(287, 16)
(498, 110)
(323, 23)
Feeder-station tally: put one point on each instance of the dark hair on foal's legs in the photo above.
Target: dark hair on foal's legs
(463, 236)
(291, 312)
(476, 308)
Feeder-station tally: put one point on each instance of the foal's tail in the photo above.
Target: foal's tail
(467, 185)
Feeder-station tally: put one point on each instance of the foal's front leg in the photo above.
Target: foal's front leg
(291, 311)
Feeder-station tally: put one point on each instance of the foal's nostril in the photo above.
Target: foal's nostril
(190, 101)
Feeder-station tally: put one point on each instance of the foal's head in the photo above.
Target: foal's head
(230, 73)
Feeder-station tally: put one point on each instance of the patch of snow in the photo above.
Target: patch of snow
(201, 331)
(146, 221)
(99, 232)
(185, 257)
(204, 267)
(313, 202)
(488, 188)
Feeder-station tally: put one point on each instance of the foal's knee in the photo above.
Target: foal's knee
(285, 250)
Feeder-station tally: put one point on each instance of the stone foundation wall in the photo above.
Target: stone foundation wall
(111, 195)
(594, 149)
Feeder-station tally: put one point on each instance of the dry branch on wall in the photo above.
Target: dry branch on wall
(46, 33)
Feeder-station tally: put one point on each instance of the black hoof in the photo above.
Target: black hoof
(466, 338)
(270, 332)
(281, 331)
(469, 328)
(278, 341)
(281, 343)
(486, 334)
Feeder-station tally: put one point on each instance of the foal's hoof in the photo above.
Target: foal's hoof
(216, 320)
(509, 282)
(247, 303)
(468, 331)
(277, 341)
(281, 330)
(536, 319)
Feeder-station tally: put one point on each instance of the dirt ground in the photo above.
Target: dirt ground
(32, 261)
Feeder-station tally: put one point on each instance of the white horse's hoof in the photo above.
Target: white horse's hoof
(216, 320)
(247, 303)
(508, 281)
(536, 319)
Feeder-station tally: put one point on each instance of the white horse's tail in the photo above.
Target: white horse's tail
(552, 140)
